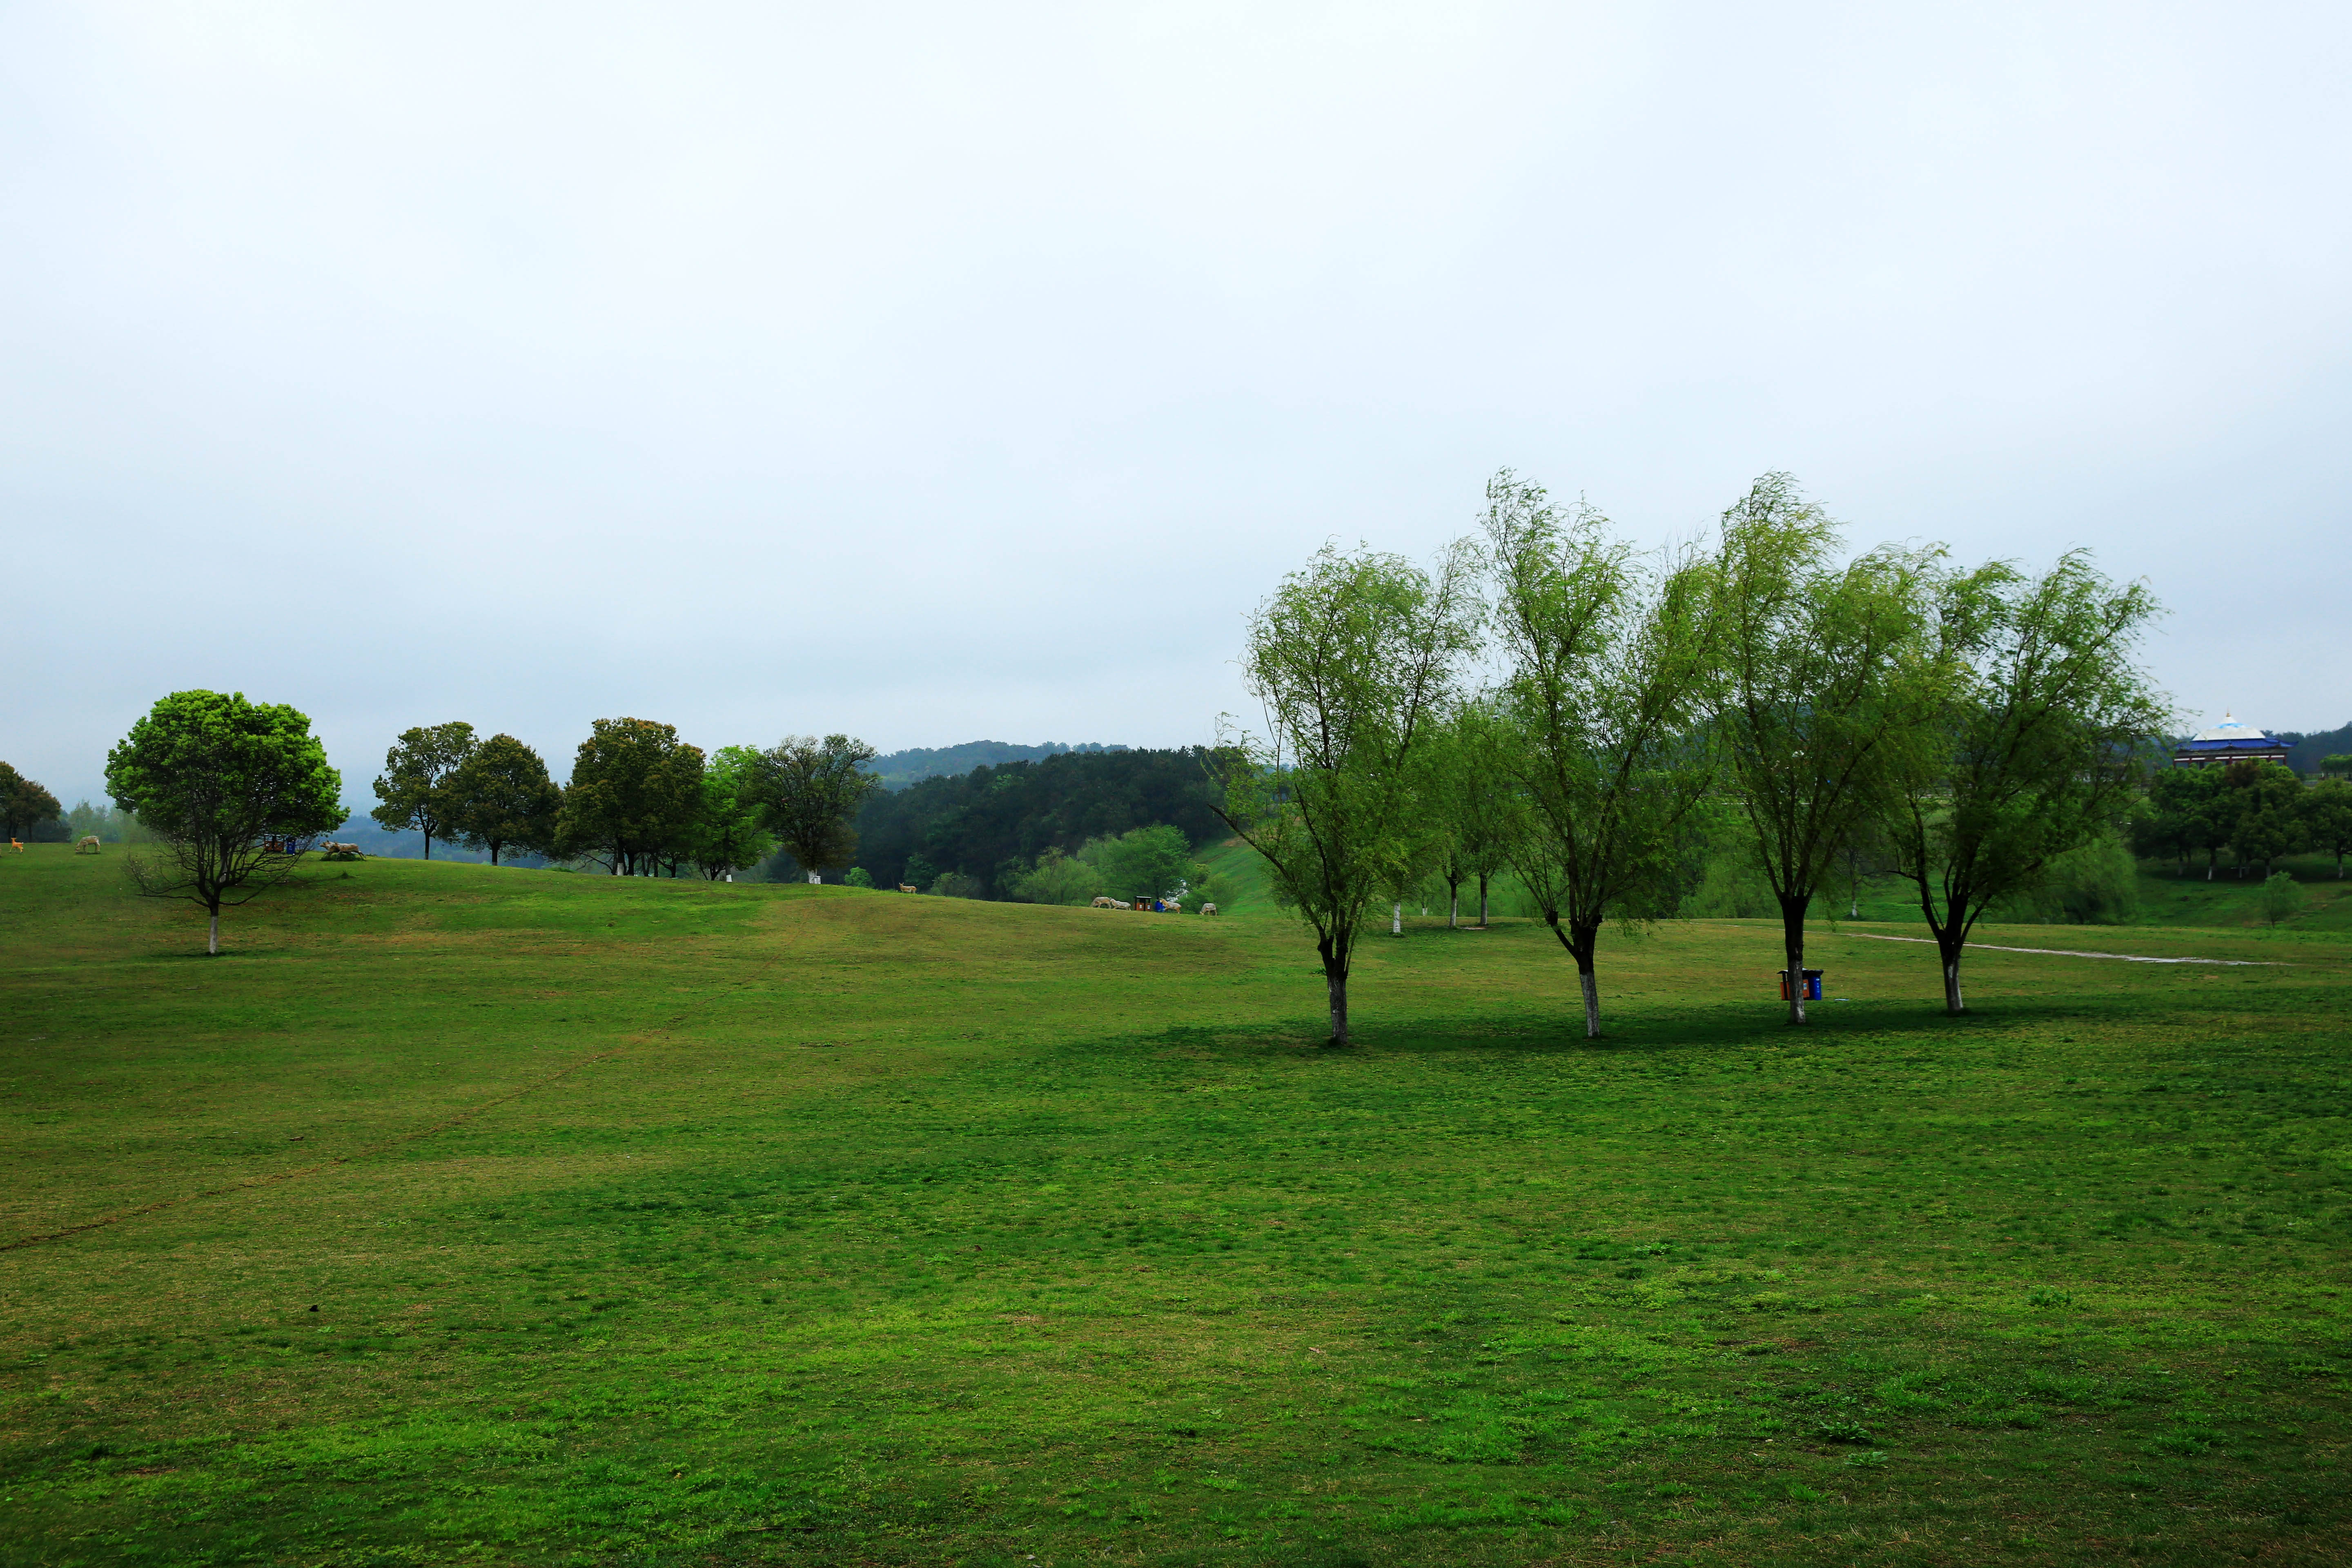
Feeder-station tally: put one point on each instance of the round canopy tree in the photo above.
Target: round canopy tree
(232, 791)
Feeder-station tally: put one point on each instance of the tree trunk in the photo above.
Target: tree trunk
(212, 938)
(428, 844)
(1481, 900)
(1581, 942)
(1335, 982)
(1951, 948)
(1454, 903)
(494, 851)
(1792, 943)
(1396, 918)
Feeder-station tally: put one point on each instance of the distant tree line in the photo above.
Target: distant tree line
(28, 811)
(1598, 719)
(2254, 812)
(640, 801)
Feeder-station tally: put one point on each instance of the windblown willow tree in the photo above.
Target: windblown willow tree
(1830, 680)
(1611, 655)
(1355, 659)
(2041, 734)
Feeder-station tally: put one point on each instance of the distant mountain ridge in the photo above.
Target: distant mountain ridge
(900, 769)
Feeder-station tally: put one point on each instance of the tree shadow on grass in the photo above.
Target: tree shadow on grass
(1730, 1027)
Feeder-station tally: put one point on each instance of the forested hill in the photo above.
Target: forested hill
(916, 763)
(2305, 752)
(980, 822)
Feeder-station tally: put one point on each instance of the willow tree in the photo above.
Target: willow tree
(2043, 726)
(1609, 656)
(1355, 661)
(1829, 680)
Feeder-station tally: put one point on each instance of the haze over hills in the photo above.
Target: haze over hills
(916, 763)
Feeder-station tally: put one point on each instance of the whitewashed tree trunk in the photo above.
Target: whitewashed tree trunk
(1396, 919)
(212, 940)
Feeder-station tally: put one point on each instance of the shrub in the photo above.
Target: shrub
(2281, 896)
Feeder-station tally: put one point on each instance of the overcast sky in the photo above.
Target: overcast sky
(936, 373)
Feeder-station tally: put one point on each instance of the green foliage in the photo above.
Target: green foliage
(808, 792)
(24, 805)
(955, 884)
(1145, 862)
(1355, 661)
(413, 792)
(2263, 805)
(729, 831)
(2281, 897)
(230, 789)
(1829, 683)
(2040, 716)
(1610, 657)
(2337, 766)
(2328, 818)
(994, 823)
(2091, 884)
(1055, 879)
(635, 794)
(858, 877)
(499, 798)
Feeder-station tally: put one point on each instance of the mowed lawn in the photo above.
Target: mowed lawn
(462, 1215)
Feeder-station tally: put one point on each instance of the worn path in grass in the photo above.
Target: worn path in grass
(872, 1228)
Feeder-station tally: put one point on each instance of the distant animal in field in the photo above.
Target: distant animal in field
(905, 889)
(340, 851)
(1108, 903)
(1208, 908)
(86, 845)
(15, 846)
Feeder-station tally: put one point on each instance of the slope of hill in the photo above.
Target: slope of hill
(899, 769)
(457, 1215)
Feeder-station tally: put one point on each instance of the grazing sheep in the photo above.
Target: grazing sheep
(1108, 903)
(87, 845)
(905, 889)
(1208, 908)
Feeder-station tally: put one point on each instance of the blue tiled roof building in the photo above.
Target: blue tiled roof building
(2232, 740)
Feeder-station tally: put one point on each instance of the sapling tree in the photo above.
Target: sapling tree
(230, 790)
(413, 792)
(1827, 674)
(1354, 661)
(2037, 740)
(1609, 656)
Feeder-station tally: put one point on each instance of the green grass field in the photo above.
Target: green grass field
(473, 1216)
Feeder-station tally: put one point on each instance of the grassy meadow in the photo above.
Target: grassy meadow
(477, 1216)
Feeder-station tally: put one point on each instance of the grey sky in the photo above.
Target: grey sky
(941, 372)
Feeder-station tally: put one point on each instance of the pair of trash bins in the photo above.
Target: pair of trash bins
(1812, 985)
